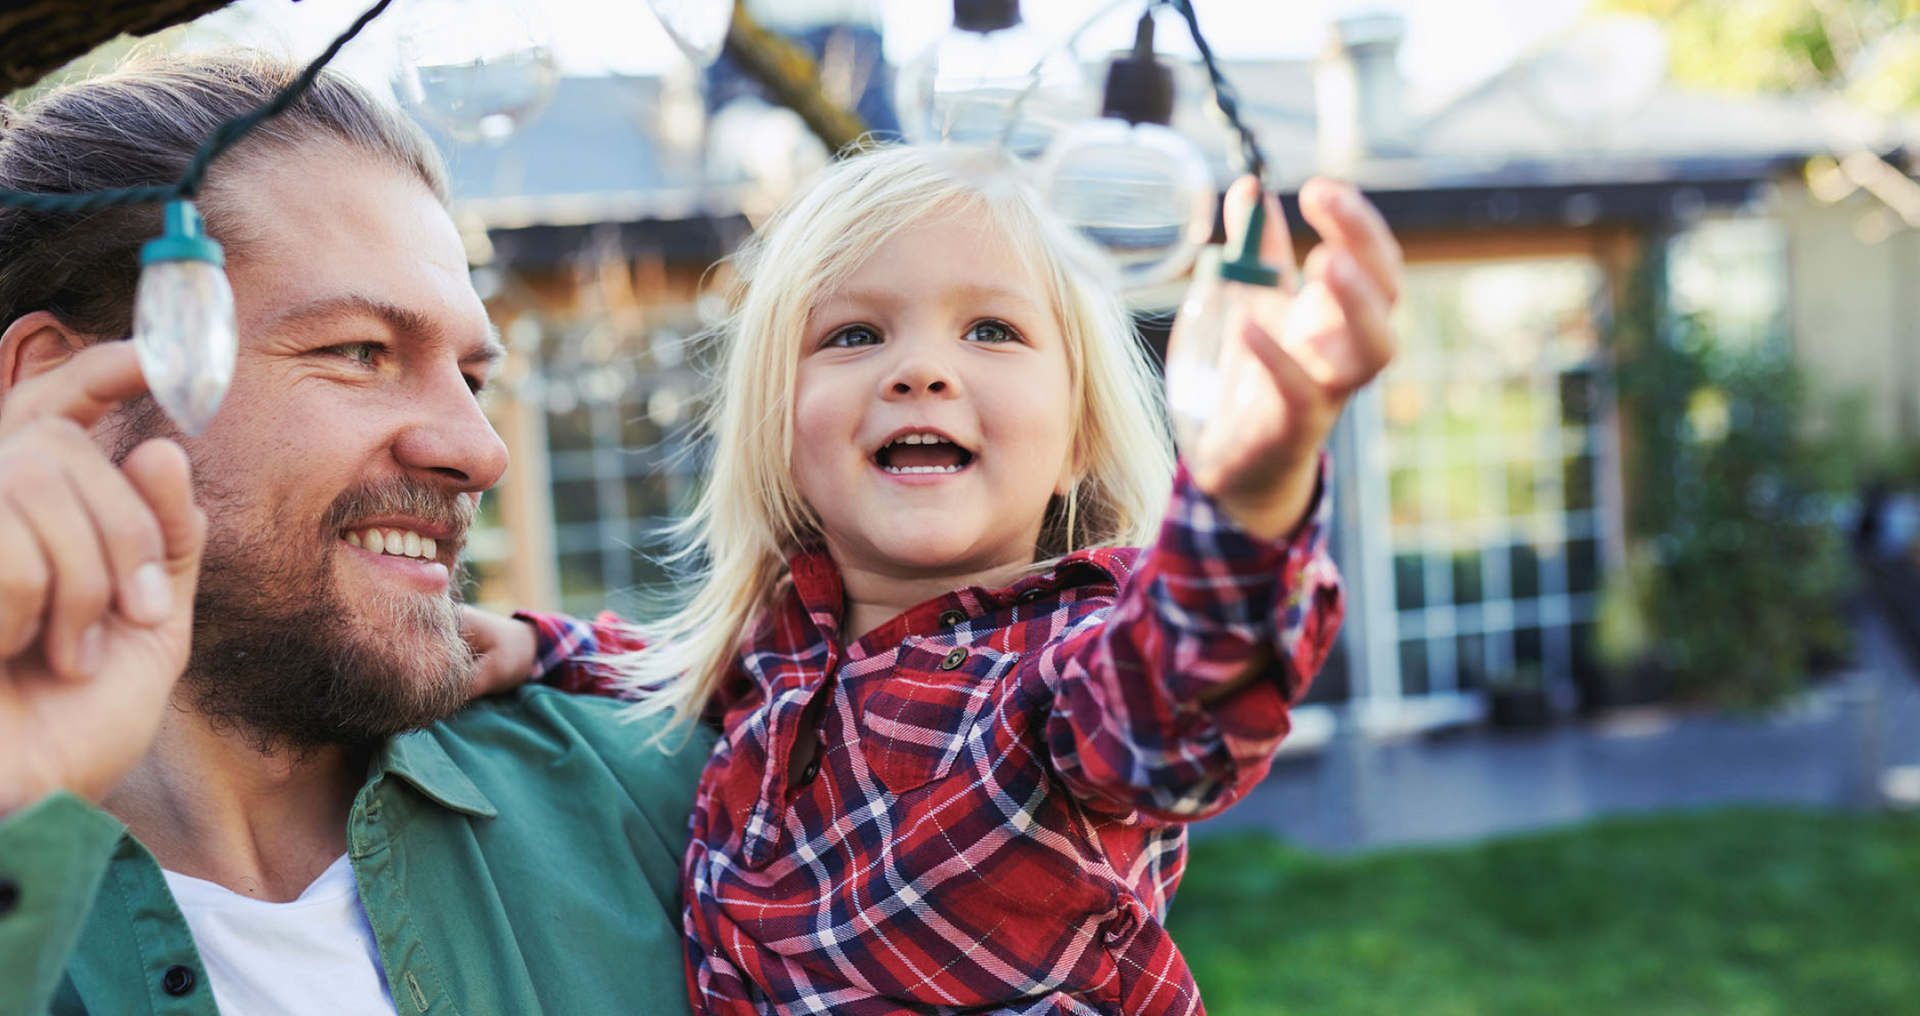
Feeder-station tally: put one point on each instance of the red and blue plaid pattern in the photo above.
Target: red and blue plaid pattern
(997, 822)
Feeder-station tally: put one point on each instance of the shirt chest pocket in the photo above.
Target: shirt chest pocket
(917, 720)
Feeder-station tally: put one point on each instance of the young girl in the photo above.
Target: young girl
(963, 723)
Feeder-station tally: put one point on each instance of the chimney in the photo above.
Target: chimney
(1358, 91)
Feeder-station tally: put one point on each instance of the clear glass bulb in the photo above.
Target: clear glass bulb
(1206, 370)
(1141, 192)
(698, 27)
(968, 87)
(477, 69)
(184, 332)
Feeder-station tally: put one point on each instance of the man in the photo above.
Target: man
(268, 835)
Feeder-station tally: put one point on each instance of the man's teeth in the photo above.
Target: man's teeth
(922, 469)
(396, 542)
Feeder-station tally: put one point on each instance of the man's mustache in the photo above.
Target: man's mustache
(405, 497)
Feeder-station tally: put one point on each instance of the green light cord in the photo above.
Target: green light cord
(223, 138)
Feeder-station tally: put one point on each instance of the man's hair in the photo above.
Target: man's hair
(140, 126)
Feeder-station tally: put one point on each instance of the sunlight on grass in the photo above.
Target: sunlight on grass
(1744, 912)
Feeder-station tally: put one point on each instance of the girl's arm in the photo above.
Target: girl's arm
(552, 649)
(1174, 704)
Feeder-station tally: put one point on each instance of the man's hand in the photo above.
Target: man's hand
(502, 650)
(1293, 360)
(98, 567)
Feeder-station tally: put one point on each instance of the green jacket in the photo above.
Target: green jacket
(520, 858)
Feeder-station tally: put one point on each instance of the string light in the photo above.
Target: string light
(183, 324)
(479, 75)
(989, 79)
(1201, 362)
(1127, 181)
(698, 27)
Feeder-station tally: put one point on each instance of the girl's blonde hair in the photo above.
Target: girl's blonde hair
(750, 517)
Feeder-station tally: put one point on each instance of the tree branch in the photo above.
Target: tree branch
(39, 36)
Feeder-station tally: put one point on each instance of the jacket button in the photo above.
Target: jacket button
(954, 659)
(812, 770)
(9, 896)
(177, 981)
(949, 618)
(1031, 595)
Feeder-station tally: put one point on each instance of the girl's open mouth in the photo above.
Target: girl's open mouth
(911, 454)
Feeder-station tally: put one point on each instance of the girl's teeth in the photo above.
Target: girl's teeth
(923, 469)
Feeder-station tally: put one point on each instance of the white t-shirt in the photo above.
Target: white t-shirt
(314, 956)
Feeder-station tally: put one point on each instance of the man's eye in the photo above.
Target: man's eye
(991, 331)
(359, 352)
(853, 335)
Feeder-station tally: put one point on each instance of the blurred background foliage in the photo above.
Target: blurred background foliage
(1735, 574)
(1867, 49)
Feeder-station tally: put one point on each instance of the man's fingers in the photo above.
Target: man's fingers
(160, 472)
(81, 588)
(24, 583)
(83, 389)
(1276, 242)
(1346, 219)
(124, 523)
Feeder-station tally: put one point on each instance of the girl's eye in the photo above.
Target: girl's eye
(991, 331)
(853, 335)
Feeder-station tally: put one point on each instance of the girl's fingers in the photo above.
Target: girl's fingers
(1340, 326)
(1347, 220)
(1276, 241)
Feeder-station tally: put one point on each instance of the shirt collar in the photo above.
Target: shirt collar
(822, 597)
(420, 759)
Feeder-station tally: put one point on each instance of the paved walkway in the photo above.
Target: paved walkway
(1831, 749)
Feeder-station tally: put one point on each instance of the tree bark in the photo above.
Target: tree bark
(39, 36)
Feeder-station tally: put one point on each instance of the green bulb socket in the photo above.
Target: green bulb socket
(183, 238)
(1245, 264)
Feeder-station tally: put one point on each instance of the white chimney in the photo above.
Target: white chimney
(1359, 93)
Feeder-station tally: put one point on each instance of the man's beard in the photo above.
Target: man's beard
(280, 658)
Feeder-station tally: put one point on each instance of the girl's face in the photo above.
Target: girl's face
(933, 417)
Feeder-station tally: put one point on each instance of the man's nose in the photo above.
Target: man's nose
(449, 437)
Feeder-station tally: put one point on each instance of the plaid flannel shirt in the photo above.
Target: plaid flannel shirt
(997, 817)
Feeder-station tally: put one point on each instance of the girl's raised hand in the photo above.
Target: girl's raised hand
(1294, 360)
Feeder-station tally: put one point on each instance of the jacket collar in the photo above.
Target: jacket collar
(419, 758)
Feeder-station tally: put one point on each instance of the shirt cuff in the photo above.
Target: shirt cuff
(556, 639)
(1282, 595)
(53, 856)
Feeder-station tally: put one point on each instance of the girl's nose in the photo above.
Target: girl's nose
(922, 371)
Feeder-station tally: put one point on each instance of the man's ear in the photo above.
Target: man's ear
(33, 345)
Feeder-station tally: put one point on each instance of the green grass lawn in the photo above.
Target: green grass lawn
(1736, 913)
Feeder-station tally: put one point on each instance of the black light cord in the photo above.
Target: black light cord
(1224, 94)
(223, 138)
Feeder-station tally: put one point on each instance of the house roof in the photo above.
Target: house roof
(600, 152)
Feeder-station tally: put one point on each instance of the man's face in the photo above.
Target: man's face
(353, 411)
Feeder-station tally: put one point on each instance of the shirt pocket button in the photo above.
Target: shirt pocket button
(954, 659)
(950, 618)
